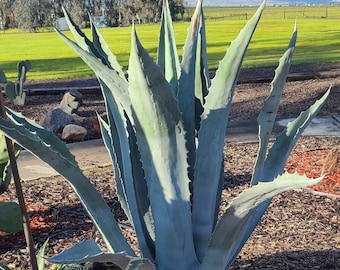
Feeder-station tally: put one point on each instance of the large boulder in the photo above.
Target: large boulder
(64, 122)
(56, 120)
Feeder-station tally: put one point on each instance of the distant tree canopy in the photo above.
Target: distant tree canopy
(30, 15)
(149, 11)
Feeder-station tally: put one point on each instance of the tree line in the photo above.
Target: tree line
(31, 15)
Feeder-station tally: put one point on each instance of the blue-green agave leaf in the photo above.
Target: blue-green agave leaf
(275, 162)
(186, 87)
(118, 86)
(131, 188)
(279, 152)
(108, 139)
(139, 264)
(167, 57)
(202, 77)
(80, 37)
(160, 139)
(88, 251)
(266, 118)
(220, 253)
(10, 217)
(209, 155)
(118, 104)
(47, 147)
(98, 48)
(103, 48)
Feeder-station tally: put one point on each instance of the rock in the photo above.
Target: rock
(78, 120)
(71, 101)
(56, 120)
(73, 132)
(71, 96)
(74, 105)
(67, 109)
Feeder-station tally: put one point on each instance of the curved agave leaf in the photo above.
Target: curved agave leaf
(104, 50)
(130, 182)
(117, 85)
(160, 139)
(186, 87)
(54, 152)
(119, 140)
(167, 57)
(202, 78)
(285, 142)
(274, 165)
(224, 240)
(266, 118)
(207, 178)
(98, 48)
(88, 251)
(80, 37)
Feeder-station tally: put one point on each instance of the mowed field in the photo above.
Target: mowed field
(318, 41)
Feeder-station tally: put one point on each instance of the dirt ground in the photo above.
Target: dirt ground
(300, 230)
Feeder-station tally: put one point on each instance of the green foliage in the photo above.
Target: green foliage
(15, 91)
(10, 214)
(30, 15)
(10, 217)
(5, 169)
(165, 132)
(149, 11)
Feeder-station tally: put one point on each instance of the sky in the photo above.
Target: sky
(258, 2)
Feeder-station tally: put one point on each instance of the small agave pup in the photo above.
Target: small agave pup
(165, 133)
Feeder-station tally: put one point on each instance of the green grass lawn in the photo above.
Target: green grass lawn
(318, 41)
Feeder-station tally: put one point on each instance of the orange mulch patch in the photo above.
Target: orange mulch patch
(41, 220)
(317, 163)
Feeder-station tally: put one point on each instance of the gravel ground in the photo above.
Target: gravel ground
(299, 231)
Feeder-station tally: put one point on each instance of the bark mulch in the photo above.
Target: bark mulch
(300, 230)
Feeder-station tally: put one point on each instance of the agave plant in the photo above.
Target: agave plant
(165, 132)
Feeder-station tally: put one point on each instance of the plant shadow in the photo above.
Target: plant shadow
(292, 259)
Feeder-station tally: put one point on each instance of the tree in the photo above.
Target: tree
(5, 13)
(176, 8)
(25, 15)
(113, 12)
(149, 11)
(76, 8)
(31, 14)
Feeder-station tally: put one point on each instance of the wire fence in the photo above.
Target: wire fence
(279, 12)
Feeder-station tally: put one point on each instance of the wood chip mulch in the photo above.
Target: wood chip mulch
(300, 230)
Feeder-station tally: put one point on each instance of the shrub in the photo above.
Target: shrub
(165, 132)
